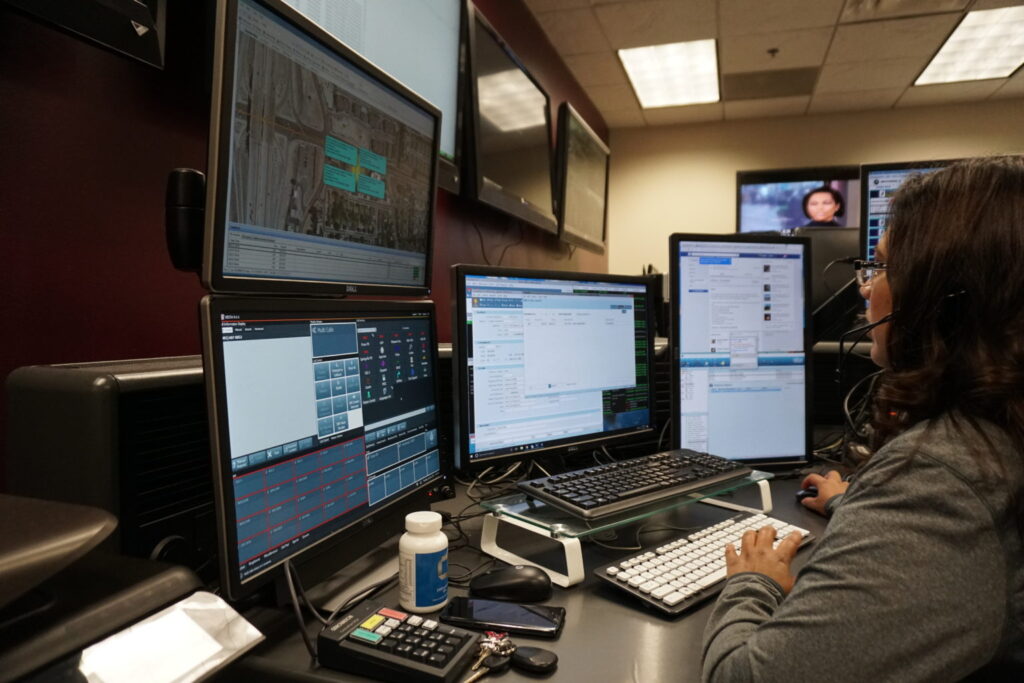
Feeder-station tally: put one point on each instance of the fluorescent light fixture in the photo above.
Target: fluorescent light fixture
(510, 101)
(673, 74)
(987, 44)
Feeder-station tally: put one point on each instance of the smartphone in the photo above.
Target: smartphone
(540, 621)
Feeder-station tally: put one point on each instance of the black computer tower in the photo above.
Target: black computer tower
(127, 436)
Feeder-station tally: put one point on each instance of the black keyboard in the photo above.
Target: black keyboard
(606, 489)
(386, 644)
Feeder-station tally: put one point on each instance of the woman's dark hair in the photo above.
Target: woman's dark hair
(837, 197)
(955, 258)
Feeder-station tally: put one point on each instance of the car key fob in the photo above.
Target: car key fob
(534, 659)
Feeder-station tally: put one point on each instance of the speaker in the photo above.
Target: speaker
(130, 437)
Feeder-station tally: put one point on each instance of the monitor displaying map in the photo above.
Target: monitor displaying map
(324, 167)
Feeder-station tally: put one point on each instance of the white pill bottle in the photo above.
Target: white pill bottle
(423, 563)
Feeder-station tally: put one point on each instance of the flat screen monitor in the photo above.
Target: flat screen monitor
(324, 422)
(782, 200)
(395, 35)
(582, 160)
(878, 183)
(322, 169)
(510, 132)
(740, 343)
(548, 363)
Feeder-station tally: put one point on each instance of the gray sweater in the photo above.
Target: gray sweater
(918, 577)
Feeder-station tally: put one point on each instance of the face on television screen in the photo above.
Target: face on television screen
(784, 206)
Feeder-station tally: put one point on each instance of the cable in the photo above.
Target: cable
(362, 595)
(536, 464)
(310, 647)
(302, 594)
(480, 235)
(519, 241)
(662, 436)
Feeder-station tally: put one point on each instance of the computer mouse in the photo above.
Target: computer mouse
(518, 583)
(809, 492)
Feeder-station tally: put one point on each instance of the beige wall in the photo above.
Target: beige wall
(683, 178)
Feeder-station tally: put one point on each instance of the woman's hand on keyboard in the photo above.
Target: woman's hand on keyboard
(758, 553)
(828, 486)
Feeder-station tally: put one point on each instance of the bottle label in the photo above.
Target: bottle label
(431, 578)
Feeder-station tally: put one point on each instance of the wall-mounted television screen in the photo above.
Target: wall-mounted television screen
(582, 161)
(509, 165)
(782, 200)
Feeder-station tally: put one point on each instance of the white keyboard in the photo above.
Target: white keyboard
(678, 575)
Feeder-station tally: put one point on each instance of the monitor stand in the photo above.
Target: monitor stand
(537, 517)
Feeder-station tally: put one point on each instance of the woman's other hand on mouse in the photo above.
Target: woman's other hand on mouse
(828, 486)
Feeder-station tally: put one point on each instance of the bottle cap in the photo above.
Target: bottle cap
(423, 522)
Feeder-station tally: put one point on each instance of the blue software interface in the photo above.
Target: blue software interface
(742, 378)
(552, 362)
(327, 419)
(330, 170)
(882, 185)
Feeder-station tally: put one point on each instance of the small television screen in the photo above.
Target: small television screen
(511, 131)
(879, 183)
(786, 199)
(322, 171)
(394, 35)
(583, 181)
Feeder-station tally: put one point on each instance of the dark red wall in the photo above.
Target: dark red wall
(86, 140)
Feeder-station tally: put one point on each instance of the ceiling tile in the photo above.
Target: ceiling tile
(655, 22)
(573, 32)
(612, 97)
(553, 5)
(883, 73)
(795, 49)
(597, 68)
(744, 17)
(854, 101)
(775, 106)
(949, 92)
(624, 118)
(868, 10)
(695, 113)
(917, 37)
(1014, 87)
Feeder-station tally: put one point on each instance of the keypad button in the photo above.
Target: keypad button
(404, 650)
(420, 654)
(430, 624)
(436, 659)
(388, 645)
(414, 640)
(415, 620)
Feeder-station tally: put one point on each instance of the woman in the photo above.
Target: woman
(920, 573)
(822, 205)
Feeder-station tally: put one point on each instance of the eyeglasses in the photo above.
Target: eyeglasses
(867, 270)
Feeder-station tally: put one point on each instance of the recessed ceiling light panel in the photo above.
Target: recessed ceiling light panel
(986, 44)
(673, 74)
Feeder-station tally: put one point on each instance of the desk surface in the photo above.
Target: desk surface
(608, 635)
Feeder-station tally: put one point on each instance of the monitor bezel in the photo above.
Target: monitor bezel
(479, 186)
(339, 542)
(449, 171)
(460, 388)
(867, 169)
(789, 175)
(739, 238)
(566, 232)
(219, 149)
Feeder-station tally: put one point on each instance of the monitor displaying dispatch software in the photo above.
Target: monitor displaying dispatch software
(322, 169)
(740, 344)
(324, 415)
(547, 362)
(879, 182)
